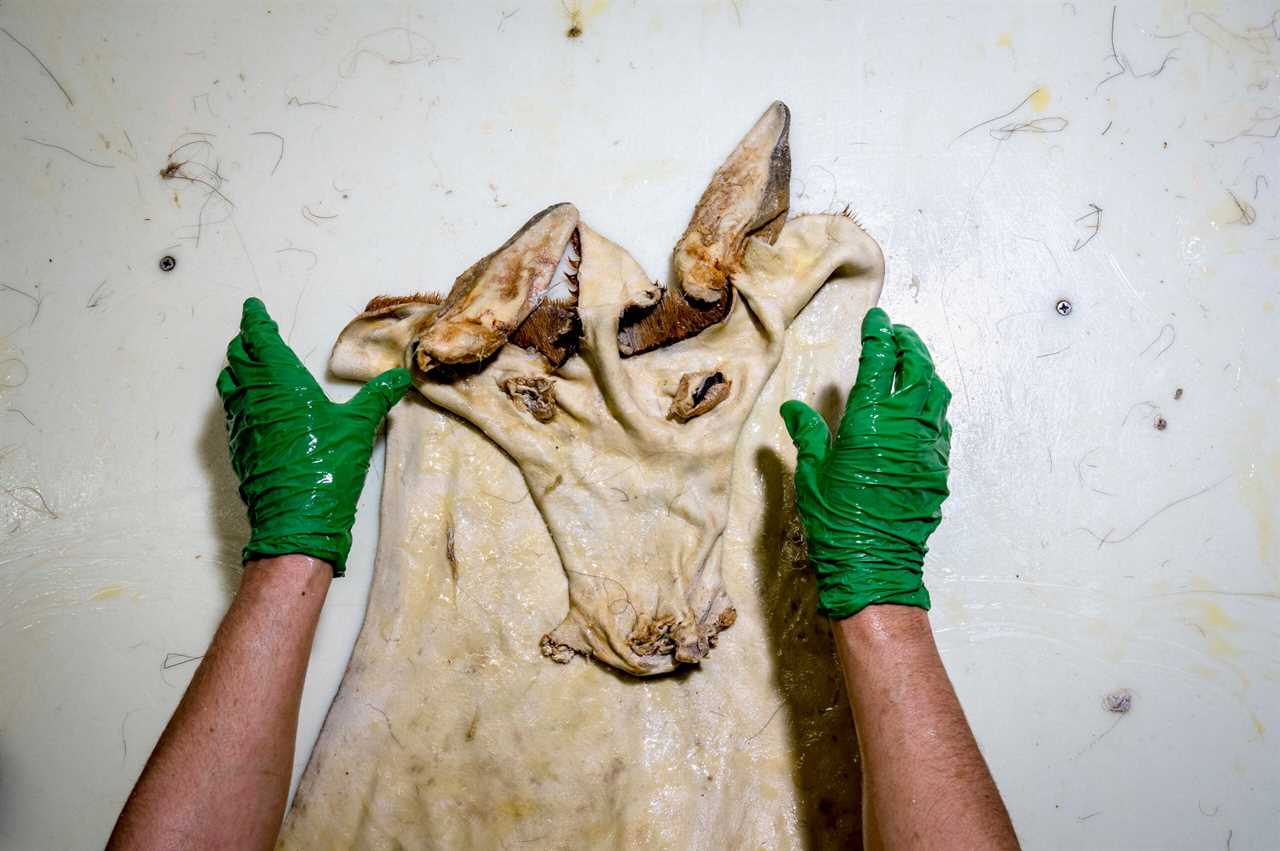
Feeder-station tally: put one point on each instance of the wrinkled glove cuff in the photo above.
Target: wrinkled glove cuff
(844, 590)
(332, 548)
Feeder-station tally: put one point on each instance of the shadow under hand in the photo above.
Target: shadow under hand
(831, 406)
(825, 746)
(230, 523)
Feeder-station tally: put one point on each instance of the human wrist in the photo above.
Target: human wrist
(883, 626)
(296, 568)
(331, 548)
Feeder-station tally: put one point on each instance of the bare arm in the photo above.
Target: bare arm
(869, 502)
(924, 778)
(219, 776)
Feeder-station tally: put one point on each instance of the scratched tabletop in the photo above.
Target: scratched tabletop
(1077, 202)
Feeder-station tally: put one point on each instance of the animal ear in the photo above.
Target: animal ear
(748, 197)
(490, 300)
(809, 252)
(377, 339)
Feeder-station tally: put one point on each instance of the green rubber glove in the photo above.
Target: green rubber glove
(870, 500)
(301, 459)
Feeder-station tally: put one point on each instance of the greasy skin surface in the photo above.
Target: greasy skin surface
(451, 731)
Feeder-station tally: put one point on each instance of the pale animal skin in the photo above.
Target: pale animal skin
(628, 486)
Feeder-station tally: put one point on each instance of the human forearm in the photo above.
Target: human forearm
(928, 783)
(219, 776)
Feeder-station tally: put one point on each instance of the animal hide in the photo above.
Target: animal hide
(645, 492)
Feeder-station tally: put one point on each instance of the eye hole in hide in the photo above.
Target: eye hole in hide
(697, 393)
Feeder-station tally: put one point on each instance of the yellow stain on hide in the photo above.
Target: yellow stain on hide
(516, 809)
(1040, 99)
(1005, 40)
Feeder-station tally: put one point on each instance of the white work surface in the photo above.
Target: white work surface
(383, 149)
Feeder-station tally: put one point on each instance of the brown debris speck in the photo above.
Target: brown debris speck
(1119, 701)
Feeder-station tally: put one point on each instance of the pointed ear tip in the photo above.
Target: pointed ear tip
(781, 113)
(558, 209)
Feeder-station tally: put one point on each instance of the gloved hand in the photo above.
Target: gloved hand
(301, 459)
(870, 500)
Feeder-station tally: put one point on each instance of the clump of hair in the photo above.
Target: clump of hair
(386, 302)
(672, 319)
(552, 330)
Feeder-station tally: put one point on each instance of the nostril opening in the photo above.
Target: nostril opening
(698, 393)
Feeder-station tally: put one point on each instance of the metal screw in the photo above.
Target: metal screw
(1063, 307)
(167, 263)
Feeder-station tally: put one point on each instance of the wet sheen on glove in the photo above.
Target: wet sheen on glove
(870, 500)
(300, 458)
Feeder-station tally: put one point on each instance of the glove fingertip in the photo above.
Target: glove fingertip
(907, 339)
(876, 361)
(253, 310)
(795, 415)
(808, 431)
(877, 325)
(257, 328)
